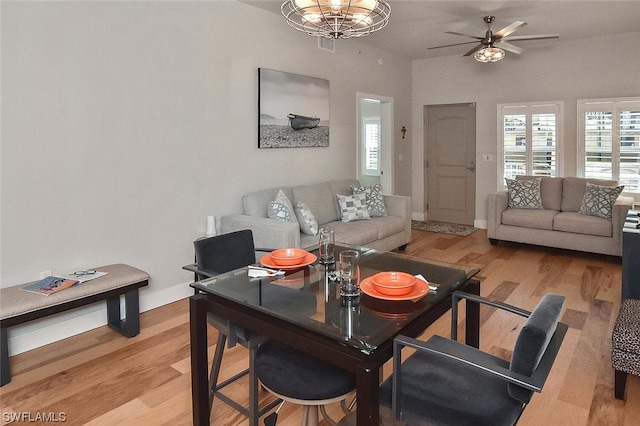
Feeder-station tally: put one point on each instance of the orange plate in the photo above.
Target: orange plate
(267, 261)
(419, 290)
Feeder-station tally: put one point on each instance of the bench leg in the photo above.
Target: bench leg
(130, 326)
(5, 373)
(620, 382)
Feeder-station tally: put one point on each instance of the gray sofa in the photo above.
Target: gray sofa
(383, 233)
(559, 223)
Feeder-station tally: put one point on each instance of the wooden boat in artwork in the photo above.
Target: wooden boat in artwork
(298, 122)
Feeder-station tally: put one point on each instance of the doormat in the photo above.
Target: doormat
(443, 227)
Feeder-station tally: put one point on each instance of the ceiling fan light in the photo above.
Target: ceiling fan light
(489, 54)
(362, 20)
(336, 18)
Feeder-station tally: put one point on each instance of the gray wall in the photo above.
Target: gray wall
(556, 70)
(125, 124)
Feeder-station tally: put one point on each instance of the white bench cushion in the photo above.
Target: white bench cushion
(14, 301)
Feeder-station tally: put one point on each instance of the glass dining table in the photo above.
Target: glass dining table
(303, 309)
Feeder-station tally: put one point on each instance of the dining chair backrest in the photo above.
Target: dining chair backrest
(533, 340)
(225, 252)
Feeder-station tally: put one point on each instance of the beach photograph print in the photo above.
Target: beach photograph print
(294, 110)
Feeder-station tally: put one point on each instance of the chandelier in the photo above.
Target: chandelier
(489, 54)
(336, 18)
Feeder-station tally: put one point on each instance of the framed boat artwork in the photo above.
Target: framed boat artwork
(293, 110)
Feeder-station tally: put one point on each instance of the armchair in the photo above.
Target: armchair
(446, 382)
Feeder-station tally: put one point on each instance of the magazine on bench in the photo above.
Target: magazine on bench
(53, 284)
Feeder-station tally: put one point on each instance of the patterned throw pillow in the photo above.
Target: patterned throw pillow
(598, 200)
(308, 222)
(353, 207)
(281, 208)
(375, 199)
(524, 194)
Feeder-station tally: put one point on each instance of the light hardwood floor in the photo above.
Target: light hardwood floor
(102, 378)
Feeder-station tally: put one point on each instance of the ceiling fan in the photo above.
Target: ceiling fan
(490, 46)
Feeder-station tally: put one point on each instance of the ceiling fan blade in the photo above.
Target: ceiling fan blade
(510, 47)
(509, 29)
(474, 50)
(534, 37)
(464, 35)
(449, 45)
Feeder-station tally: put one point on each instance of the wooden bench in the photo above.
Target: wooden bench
(18, 306)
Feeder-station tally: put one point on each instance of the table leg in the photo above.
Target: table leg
(5, 372)
(472, 316)
(199, 360)
(368, 392)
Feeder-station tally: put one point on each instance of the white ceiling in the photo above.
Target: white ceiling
(416, 25)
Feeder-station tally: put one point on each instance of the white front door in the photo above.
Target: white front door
(450, 155)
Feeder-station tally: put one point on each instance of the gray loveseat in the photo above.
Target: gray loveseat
(383, 233)
(559, 223)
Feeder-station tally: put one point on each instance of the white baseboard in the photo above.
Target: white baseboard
(480, 224)
(38, 333)
(418, 216)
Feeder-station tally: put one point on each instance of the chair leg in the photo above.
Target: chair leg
(620, 383)
(310, 415)
(215, 367)
(328, 419)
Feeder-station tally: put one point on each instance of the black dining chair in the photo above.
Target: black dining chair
(302, 379)
(449, 383)
(216, 255)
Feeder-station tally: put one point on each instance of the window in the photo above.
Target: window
(609, 140)
(371, 166)
(529, 139)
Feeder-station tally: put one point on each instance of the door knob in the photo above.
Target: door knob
(472, 166)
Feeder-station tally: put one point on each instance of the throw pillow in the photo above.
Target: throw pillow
(281, 208)
(598, 200)
(375, 199)
(524, 194)
(308, 222)
(353, 207)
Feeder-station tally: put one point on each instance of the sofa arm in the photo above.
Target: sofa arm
(399, 205)
(267, 233)
(618, 216)
(497, 203)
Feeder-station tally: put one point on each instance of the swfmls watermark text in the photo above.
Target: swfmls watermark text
(39, 417)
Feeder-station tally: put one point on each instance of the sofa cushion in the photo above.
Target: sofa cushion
(256, 203)
(388, 225)
(573, 191)
(375, 199)
(582, 224)
(342, 187)
(320, 199)
(308, 222)
(550, 190)
(353, 207)
(524, 194)
(281, 209)
(529, 218)
(355, 233)
(598, 200)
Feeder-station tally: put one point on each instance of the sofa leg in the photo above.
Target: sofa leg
(620, 382)
(402, 247)
(493, 241)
